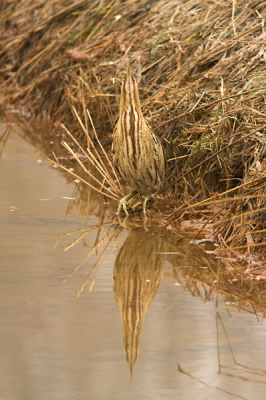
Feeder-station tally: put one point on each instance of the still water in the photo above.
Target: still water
(92, 310)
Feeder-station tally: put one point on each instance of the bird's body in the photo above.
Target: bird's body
(137, 153)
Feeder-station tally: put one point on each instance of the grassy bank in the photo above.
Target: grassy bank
(201, 66)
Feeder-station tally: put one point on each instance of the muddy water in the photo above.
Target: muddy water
(99, 312)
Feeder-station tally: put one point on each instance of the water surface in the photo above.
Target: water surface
(114, 322)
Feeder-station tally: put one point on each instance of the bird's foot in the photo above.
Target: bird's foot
(124, 201)
(136, 205)
(123, 204)
(123, 221)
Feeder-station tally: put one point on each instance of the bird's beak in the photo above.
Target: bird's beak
(129, 75)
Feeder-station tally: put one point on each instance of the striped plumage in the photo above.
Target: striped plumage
(137, 277)
(137, 153)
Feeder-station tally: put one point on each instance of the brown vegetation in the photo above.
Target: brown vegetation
(202, 87)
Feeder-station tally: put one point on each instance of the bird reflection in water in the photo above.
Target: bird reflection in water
(138, 272)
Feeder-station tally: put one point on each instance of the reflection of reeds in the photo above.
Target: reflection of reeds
(238, 371)
(137, 275)
(195, 264)
(205, 270)
(106, 240)
(139, 267)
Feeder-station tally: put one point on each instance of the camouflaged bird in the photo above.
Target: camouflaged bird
(137, 153)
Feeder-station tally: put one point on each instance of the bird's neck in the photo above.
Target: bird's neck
(129, 96)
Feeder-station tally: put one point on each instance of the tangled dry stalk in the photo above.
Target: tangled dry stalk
(202, 87)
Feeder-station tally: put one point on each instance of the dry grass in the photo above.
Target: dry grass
(202, 89)
(103, 174)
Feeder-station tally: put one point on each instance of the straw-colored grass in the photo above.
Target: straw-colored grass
(202, 87)
(101, 172)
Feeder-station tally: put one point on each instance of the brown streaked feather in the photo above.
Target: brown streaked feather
(137, 153)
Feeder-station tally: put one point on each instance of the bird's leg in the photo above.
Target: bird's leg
(146, 199)
(124, 201)
(144, 205)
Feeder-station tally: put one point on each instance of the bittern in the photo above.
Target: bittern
(137, 153)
